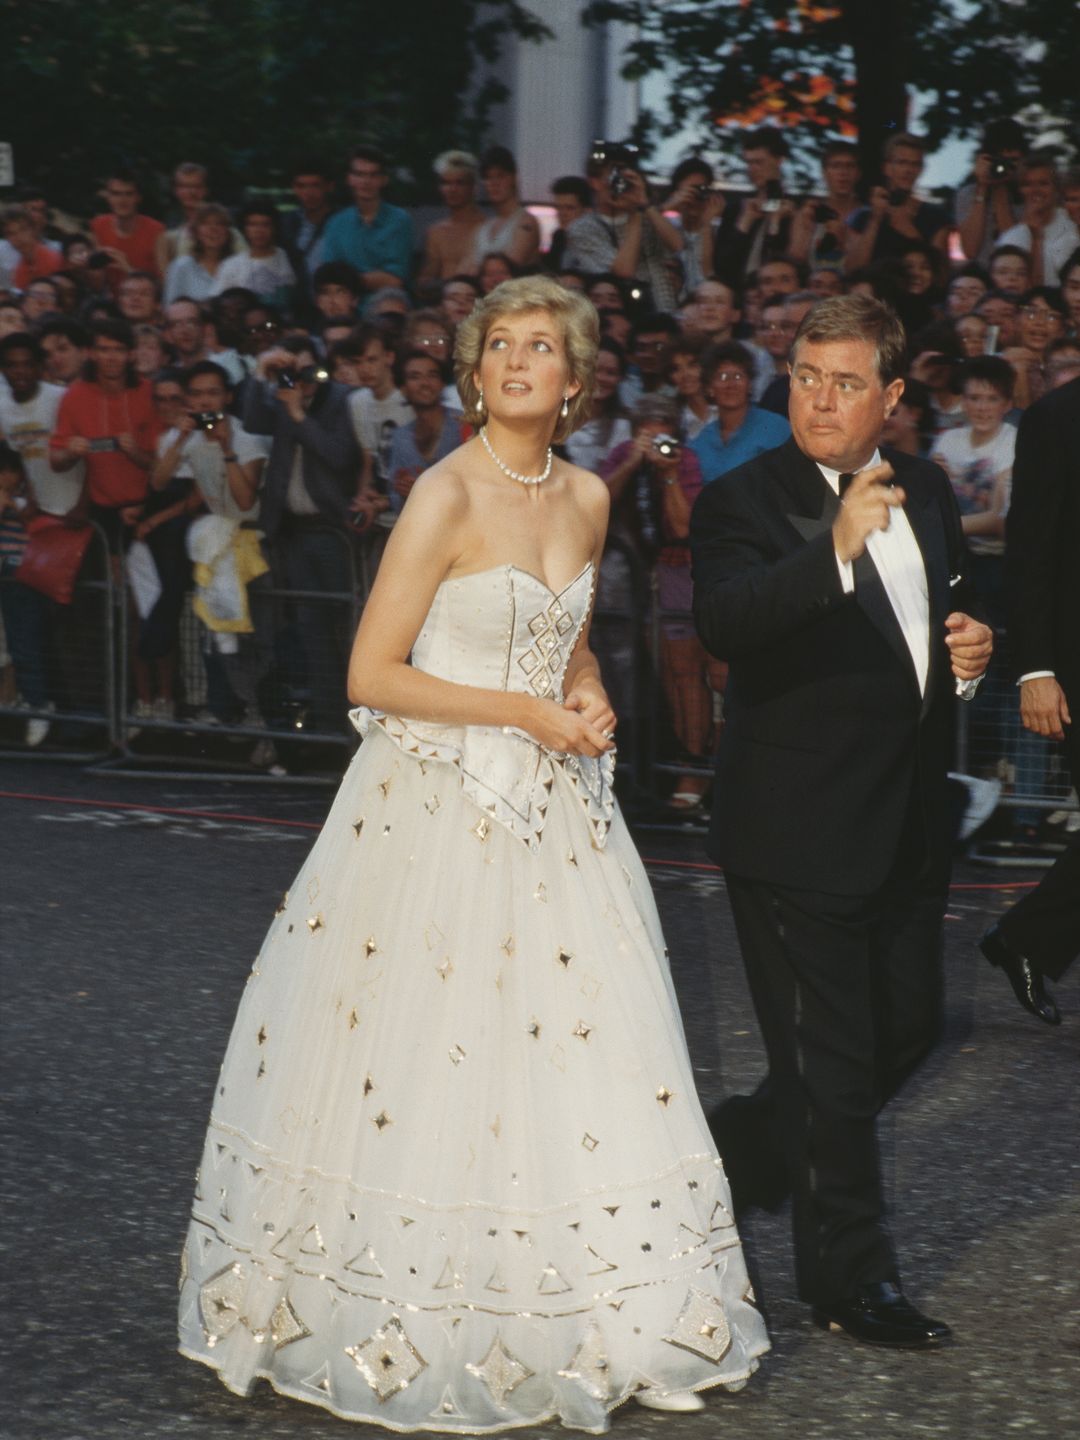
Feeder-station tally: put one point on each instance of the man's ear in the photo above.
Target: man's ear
(893, 391)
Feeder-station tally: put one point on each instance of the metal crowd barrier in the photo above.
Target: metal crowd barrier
(212, 731)
(90, 696)
(78, 658)
(991, 743)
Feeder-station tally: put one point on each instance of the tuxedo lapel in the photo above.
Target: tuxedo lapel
(814, 507)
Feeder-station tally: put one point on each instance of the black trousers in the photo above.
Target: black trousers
(849, 995)
(1045, 924)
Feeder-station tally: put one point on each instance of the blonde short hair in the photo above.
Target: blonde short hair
(451, 161)
(575, 317)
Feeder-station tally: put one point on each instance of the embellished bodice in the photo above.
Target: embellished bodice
(504, 629)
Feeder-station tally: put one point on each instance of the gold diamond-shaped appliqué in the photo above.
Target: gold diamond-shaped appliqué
(220, 1299)
(388, 1360)
(701, 1327)
(589, 1365)
(286, 1325)
(500, 1371)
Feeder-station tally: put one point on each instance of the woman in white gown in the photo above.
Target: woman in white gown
(456, 1176)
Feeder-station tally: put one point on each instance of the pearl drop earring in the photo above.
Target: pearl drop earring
(565, 411)
(480, 401)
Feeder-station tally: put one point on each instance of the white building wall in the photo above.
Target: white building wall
(564, 94)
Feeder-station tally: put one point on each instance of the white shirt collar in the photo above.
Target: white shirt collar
(833, 476)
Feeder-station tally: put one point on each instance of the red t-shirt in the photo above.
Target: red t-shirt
(43, 262)
(111, 478)
(138, 248)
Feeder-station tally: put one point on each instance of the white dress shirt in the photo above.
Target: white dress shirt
(898, 560)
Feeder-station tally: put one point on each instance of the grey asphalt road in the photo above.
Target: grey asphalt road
(127, 933)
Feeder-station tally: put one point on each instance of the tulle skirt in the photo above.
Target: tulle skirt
(456, 1176)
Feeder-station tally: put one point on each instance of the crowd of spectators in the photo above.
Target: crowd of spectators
(243, 392)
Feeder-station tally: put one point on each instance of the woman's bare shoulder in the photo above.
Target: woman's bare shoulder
(589, 490)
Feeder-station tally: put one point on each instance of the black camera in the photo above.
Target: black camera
(288, 379)
(823, 214)
(666, 446)
(899, 197)
(99, 261)
(771, 204)
(104, 444)
(1001, 168)
(623, 156)
(207, 419)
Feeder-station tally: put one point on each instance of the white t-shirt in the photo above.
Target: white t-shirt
(27, 428)
(981, 477)
(374, 422)
(265, 275)
(204, 461)
(1060, 239)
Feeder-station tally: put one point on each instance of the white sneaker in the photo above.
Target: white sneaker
(983, 797)
(38, 727)
(162, 709)
(682, 1401)
(263, 756)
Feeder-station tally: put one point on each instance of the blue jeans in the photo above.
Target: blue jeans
(27, 614)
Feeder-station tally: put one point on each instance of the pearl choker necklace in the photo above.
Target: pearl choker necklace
(523, 479)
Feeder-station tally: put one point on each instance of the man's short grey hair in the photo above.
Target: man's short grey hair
(858, 317)
(451, 161)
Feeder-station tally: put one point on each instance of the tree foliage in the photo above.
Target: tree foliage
(846, 67)
(243, 85)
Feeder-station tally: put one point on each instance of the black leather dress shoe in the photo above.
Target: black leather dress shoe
(1025, 980)
(880, 1315)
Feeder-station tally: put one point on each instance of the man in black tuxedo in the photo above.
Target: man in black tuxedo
(1040, 935)
(824, 574)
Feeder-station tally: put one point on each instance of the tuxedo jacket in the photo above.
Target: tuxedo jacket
(1042, 547)
(830, 760)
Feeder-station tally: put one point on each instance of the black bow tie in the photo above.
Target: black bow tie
(845, 482)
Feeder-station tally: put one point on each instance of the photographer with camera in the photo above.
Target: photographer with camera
(311, 478)
(699, 203)
(989, 203)
(625, 233)
(759, 226)
(894, 216)
(225, 463)
(819, 232)
(654, 481)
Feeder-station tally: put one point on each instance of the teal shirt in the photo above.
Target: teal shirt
(385, 243)
(761, 430)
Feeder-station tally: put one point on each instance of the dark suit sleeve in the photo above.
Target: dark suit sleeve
(260, 413)
(748, 591)
(328, 433)
(1032, 529)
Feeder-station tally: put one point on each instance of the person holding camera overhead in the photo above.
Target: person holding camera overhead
(989, 203)
(894, 217)
(625, 233)
(311, 479)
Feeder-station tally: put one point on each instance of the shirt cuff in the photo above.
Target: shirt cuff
(1037, 675)
(847, 575)
(965, 689)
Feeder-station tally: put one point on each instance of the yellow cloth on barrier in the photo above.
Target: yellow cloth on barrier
(245, 555)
